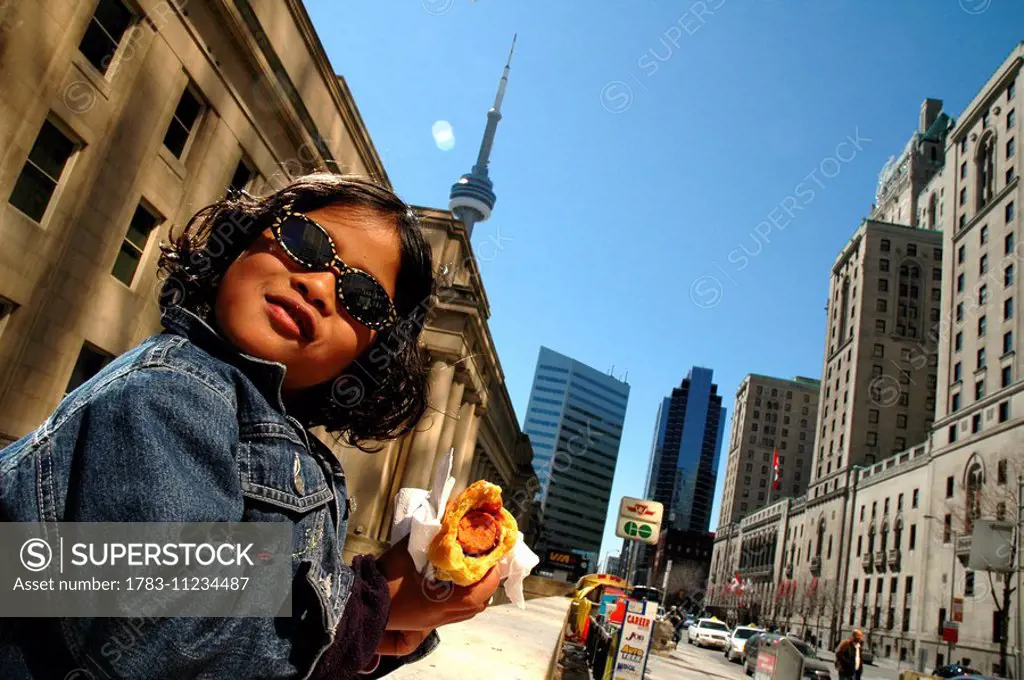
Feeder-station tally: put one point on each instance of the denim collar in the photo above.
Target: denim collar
(267, 376)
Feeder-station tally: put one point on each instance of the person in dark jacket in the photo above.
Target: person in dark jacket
(848, 657)
(298, 310)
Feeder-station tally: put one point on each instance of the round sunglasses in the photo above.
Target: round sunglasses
(311, 246)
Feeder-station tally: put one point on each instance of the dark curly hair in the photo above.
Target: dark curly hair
(383, 393)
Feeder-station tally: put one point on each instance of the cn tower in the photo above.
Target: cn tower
(472, 197)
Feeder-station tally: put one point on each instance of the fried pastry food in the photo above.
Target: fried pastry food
(476, 532)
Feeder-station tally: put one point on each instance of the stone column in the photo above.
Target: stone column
(418, 466)
(452, 418)
(465, 444)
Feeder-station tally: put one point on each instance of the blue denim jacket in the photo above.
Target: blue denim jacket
(183, 428)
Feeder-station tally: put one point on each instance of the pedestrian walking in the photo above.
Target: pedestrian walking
(848, 657)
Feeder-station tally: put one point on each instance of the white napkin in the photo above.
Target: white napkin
(418, 515)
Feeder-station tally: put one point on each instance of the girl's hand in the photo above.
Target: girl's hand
(419, 604)
(401, 642)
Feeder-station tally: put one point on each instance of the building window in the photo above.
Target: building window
(1004, 411)
(915, 498)
(1008, 275)
(183, 122)
(976, 423)
(878, 351)
(127, 263)
(883, 285)
(1008, 244)
(1001, 472)
(242, 176)
(880, 326)
(958, 341)
(983, 265)
(969, 584)
(963, 170)
(1010, 175)
(42, 171)
(106, 29)
(1007, 376)
(873, 415)
(981, 358)
(982, 324)
(1009, 211)
(881, 305)
(884, 246)
(90, 362)
(957, 369)
(947, 528)
(1011, 147)
(956, 403)
(962, 222)
(1007, 342)
(1011, 119)
(901, 421)
(983, 234)
(872, 438)
(983, 294)
(883, 265)
(1007, 309)
(979, 389)
(959, 312)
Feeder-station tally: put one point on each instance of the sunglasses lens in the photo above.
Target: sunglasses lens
(306, 242)
(364, 298)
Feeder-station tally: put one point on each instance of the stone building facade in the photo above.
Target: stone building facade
(929, 431)
(121, 118)
(769, 414)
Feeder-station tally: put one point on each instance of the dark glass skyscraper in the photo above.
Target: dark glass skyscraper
(684, 456)
(574, 421)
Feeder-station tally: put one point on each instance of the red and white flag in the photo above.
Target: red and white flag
(776, 470)
(735, 584)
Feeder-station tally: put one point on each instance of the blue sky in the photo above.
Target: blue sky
(643, 147)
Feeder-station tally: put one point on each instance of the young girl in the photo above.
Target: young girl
(269, 303)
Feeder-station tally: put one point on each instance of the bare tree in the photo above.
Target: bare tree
(991, 491)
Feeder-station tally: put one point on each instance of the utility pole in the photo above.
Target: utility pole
(952, 582)
(1019, 546)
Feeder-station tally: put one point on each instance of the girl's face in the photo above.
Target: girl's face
(272, 308)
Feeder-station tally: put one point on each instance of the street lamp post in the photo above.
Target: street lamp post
(847, 529)
(952, 579)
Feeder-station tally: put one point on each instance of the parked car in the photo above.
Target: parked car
(750, 649)
(738, 640)
(708, 632)
(954, 670)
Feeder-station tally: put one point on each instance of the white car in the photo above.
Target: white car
(708, 633)
(737, 642)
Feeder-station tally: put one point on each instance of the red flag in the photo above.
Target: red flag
(776, 470)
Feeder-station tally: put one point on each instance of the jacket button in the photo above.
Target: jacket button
(300, 484)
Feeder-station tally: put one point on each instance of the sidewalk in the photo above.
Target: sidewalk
(503, 643)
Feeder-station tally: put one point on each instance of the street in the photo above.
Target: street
(688, 662)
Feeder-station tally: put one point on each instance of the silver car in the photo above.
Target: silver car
(737, 642)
